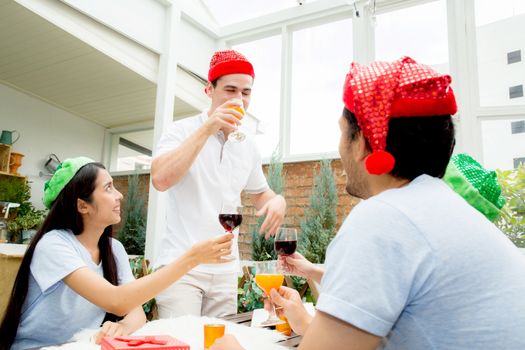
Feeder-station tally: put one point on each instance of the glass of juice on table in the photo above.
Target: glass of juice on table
(285, 244)
(237, 136)
(212, 332)
(268, 277)
(230, 218)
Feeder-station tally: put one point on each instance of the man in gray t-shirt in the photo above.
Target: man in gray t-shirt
(414, 266)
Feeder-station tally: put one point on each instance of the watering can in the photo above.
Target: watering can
(7, 137)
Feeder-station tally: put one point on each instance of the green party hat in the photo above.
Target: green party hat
(478, 186)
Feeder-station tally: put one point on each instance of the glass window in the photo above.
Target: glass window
(500, 144)
(500, 28)
(514, 57)
(418, 31)
(516, 91)
(518, 161)
(321, 57)
(232, 11)
(134, 150)
(517, 127)
(265, 55)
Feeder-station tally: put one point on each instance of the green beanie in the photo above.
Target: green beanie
(63, 174)
(478, 186)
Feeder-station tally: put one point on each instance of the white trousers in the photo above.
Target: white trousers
(199, 294)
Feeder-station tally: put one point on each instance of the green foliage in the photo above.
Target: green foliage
(30, 220)
(512, 219)
(139, 267)
(318, 226)
(16, 190)
(249, 296)
(132, 235)
(262, 249)
(300, 284)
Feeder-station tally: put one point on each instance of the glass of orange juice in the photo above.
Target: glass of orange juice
(237, 135)
(212, 332)
(268, 277)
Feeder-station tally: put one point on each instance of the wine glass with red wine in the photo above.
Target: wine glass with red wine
(285, 244)
(230, 218)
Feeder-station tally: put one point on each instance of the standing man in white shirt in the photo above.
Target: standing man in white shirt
(201, 169)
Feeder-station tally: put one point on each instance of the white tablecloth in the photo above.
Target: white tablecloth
(190, 329)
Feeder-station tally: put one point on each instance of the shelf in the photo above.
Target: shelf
(5, 173)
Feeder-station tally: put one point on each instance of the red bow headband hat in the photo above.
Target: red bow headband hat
(229, 62)
(384, 90)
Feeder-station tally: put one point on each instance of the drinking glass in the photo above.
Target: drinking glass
(285, 244)
(237, 135)
(268, 277)
(230, 218)
(212, 332)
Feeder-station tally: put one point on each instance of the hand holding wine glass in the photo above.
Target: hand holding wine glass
(285, 245)
(213, 251)
(230, 218)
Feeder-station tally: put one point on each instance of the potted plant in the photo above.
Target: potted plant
(24, 227)
(30, 223)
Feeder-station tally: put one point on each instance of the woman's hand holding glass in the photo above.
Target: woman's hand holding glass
(212, 250)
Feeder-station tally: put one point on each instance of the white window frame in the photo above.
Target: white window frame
(462, 60)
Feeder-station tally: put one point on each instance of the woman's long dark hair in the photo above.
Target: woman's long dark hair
(63, 215)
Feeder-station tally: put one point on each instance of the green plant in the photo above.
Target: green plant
(132, 235)
(512, 219)
(31, 220)
(319, 225)
(262, 249)
(249, 295)
(139, 267)
(16, 190)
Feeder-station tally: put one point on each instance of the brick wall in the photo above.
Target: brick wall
(298, 188)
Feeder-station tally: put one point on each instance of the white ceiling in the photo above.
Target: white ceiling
(41, 59)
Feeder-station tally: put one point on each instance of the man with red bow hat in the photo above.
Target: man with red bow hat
(414, 266)
(201, 170)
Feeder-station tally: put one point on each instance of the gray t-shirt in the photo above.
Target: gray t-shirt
(53, 312)
(422, 268)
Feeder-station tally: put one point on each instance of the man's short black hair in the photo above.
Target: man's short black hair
(420, 145)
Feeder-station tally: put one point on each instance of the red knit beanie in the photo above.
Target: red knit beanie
(229, 62)
(384, 90)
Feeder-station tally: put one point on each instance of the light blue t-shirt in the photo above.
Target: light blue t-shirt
(423, 269)
(53, 312)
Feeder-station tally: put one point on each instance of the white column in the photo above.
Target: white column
(363, 34)
(166, 83)
(286, 91)
(463, 69)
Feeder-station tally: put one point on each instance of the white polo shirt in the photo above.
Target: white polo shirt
(222, 170)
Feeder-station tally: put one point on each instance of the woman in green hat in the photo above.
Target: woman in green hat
(74, 272)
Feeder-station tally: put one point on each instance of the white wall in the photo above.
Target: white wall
(46, 129)
(494, 41)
